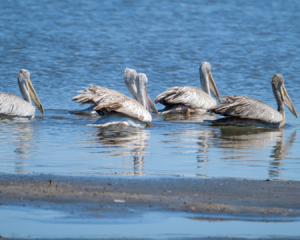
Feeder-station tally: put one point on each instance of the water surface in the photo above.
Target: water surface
(67, 45)
(38, 223)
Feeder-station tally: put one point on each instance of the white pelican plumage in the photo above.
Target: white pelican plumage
(12, 106)
(245, 111)
(117, 108)
(191, 99)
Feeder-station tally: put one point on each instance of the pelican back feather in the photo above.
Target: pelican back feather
(108, 100)
(192, 97)
(13, 106)
(247, 108)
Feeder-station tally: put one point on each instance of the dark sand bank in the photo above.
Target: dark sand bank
(119, 196)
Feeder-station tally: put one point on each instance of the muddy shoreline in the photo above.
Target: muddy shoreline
(120, 196)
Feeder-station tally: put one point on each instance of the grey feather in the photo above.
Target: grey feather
(108, 100)
(13, 106)
(192, 97)
(249, 108)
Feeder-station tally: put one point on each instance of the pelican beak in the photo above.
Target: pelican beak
(287, 101)
(34, 97)
(213, 88)
(150, 102)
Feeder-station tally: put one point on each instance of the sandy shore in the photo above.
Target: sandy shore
(120, 196)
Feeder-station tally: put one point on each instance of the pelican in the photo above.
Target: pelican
(245, 111)
(191, 99)
(130, 81)
(12, 106)
(117, 108)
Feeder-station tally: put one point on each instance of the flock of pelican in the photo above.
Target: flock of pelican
(116, 108)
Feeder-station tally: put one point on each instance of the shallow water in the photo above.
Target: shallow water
(38, 223)
(174, 148)
(67, 45)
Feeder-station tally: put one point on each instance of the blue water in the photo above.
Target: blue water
(67, 45)
(33, 223)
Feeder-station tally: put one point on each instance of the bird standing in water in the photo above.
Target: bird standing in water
(117, 108)
(191, 99)
(12, 106)
(245, 111)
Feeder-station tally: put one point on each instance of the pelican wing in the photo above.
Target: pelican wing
(192, 97)
(12, 106)
(109, 100)
(248, 108)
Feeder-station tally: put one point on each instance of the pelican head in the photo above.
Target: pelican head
(129, 79)
(278, 86)
(207, 82)
(142, 94)
(27, 89)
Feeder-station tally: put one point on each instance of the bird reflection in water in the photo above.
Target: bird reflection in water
(192, 141)
(245, 143)
(21, 132)
(131, 143)
(192, 118)
(200, 136)
(280, 152)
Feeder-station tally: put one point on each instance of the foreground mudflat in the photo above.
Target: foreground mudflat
(118, 196)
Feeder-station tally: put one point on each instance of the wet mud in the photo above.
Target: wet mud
(123, 197)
